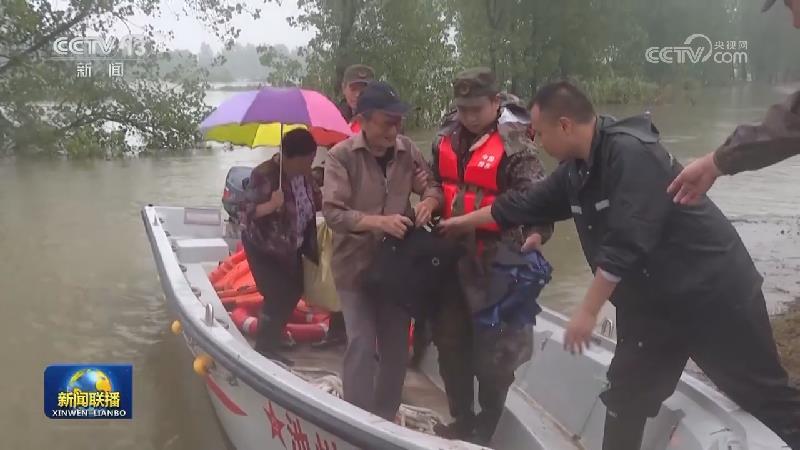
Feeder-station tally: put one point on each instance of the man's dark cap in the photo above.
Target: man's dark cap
(767, 5)
(381, 96)
(358, 73)
(471, 85)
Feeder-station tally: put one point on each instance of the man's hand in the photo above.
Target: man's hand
(533, 242)
(695, 180)
(423, 211)
(579, 330)
(454, 227)
(395, 225)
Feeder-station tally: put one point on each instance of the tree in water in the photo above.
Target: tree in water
(47, 109)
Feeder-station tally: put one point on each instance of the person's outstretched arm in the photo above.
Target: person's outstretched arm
(544, 203)
(749, 147)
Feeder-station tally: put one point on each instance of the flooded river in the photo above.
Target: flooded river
(79, 284)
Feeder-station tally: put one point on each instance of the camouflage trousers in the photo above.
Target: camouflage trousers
(466, 353)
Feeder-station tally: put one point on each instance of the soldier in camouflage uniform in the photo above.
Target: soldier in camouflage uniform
(482, 149)
(749, 147)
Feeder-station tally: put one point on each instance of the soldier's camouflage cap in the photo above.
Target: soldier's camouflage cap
(358, 73)
(471, 85)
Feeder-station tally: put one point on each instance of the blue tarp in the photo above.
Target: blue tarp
(514, 286)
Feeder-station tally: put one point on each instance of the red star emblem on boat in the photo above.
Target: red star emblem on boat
(275, 423)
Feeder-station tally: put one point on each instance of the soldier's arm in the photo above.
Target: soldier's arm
(752, 147)
(520, 172)
(446, 127)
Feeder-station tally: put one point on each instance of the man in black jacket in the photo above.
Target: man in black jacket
(683, 283)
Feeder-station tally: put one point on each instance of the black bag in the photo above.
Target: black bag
(410, 271)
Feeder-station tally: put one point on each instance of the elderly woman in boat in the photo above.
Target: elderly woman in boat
(279, 218)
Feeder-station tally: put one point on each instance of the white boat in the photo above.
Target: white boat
(261, 405)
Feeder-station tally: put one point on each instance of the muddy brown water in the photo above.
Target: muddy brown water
(78, 281)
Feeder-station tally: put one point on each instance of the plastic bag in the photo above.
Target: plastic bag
(320, 289)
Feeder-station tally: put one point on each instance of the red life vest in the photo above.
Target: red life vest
(479, 175)
(355, 126)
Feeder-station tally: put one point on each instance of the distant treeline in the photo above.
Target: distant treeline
(419, 44)
(611, 47)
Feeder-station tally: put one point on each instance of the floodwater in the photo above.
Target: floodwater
(79, 283)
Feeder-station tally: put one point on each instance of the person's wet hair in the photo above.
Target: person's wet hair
(298, 142)
(564, 99)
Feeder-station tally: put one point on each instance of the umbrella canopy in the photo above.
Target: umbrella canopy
(256, 118)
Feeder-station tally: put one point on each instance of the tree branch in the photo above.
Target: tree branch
(61, 29)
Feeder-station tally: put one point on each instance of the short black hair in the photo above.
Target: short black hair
(564, 99)
(298, 142)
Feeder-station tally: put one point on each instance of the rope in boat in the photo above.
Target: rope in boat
(412, 417)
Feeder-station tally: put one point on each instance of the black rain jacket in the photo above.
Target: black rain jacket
(669, 256)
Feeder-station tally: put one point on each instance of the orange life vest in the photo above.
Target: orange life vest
(355, 126)
(479, 175)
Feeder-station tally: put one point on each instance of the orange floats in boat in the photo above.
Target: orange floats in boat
(303, 313)
(226, 266)
(306, 332)
(233, 278)
(246, 323)
(238, 293)
(295, 332)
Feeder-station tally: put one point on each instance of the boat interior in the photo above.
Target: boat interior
(553, 404)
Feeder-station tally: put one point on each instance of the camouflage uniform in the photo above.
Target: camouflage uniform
(490, 355)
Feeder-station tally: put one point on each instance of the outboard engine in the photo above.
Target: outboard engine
(233, 195)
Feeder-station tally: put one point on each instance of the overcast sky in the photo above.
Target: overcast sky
(271, 28)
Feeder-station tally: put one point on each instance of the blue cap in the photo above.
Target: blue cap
(381, 96)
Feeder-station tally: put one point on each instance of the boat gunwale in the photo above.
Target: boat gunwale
(371, 434)
(304, 406)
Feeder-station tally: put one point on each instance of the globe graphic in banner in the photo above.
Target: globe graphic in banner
(89, 380)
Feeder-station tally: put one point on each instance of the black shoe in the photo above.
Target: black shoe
(287, 343)
(330, 341)
(485, 428)
(461, 429)
(277, 357)
(480, 439)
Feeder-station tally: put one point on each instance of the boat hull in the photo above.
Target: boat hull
(553, 404)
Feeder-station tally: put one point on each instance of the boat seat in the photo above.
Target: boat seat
(191, 251)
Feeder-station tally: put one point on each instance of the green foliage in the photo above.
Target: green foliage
(285, 69)
(620, 90)
(46, 109)
(419, 44)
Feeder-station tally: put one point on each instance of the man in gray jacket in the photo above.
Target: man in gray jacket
(368, 182)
